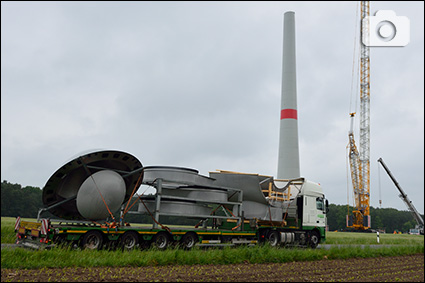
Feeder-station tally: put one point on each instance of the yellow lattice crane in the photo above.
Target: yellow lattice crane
(360, 159)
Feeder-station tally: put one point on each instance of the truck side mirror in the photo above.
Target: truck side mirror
(327, 206)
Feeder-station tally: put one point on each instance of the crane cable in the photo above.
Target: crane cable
(354, 72)
(354, 77)
(379, 185)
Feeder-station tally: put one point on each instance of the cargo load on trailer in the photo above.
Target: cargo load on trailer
(232, 207)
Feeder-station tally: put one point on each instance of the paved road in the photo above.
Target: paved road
(327, 247)
(9, 246)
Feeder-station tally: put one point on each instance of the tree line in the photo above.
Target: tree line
(386, 219)
(26, 201)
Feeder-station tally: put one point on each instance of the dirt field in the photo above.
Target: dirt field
(402, 268)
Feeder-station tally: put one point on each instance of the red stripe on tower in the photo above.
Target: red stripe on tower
(288, 114)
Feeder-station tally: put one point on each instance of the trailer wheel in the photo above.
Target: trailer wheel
(60, 240)
(273, 238)
(303, 239)
(92, 240)
(314, 239)
(129, 240)
(189, 240)
(161, 240)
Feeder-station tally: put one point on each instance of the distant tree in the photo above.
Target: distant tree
(388, 219)
(408, 225)
(336, 217)
(18, 201)
(377, 222)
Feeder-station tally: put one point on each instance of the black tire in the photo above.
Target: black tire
(273, 238)
(161, 240)
(144, 245)
(129, 240)
(189, 240)
(303, 239)
(92, 240)
(59, 240)
(314, 239)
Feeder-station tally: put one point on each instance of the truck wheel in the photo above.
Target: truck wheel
(92, 240)
(303, 239)
(161, 240)
(273, 238)
(129, 240)
(188, 241)
(60, 241)
(314, 239)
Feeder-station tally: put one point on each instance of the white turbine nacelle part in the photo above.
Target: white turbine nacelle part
(289, 160)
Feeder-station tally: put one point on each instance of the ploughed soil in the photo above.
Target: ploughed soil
(401, 268)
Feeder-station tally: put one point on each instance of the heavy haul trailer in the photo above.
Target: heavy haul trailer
(95, 236)
(233, 208)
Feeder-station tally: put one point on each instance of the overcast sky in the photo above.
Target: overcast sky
(198, 85)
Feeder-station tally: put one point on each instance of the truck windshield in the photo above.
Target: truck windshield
(320, 204)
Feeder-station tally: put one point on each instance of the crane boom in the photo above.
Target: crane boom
(360, 159)
(404, 197)
(354, 157)
(365, 114)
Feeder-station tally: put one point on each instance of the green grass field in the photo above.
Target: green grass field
(23, 258)
(345, 238)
